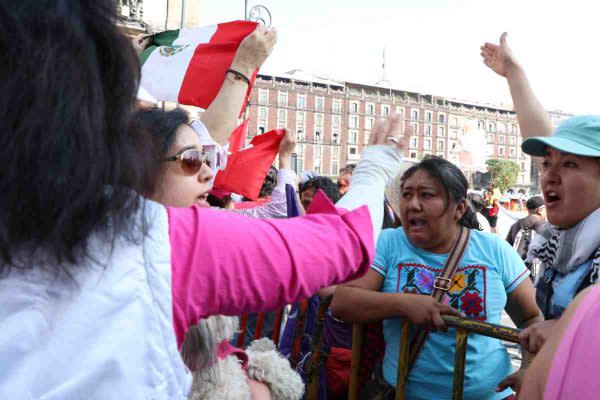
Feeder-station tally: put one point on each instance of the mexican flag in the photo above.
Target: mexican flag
(188, 66)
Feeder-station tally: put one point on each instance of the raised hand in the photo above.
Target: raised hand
(498, 57)
(254, 50)
(286, 148)
(389, 132)
(140, 42)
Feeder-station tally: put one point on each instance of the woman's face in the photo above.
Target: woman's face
(571, 187)
(175, 188)
(429, 221)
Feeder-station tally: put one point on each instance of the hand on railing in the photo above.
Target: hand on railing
(533, 337)
(427, 312)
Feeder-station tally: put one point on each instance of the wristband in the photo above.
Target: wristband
(239, 76)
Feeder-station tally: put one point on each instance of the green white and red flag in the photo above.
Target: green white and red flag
(189, 65)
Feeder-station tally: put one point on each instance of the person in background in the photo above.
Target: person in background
(478, 204)
(343, 181)
(308, 189)
(491, 208)
(569, 160)
(522, 233)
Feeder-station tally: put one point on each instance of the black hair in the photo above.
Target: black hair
(269, 183)
(476, 201)
(71, 165)
(323, 183)
(452, 180)
(161, 124)
(219, 202)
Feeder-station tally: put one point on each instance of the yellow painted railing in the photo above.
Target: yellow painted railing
(463, 328)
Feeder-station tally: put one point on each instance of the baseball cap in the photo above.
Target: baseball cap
(534, 202)
(578, 135)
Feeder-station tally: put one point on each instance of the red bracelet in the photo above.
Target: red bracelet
(239, 76)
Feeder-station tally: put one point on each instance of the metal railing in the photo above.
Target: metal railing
(463, 328)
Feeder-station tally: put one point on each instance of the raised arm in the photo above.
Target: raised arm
(531, 115)
(221, 117)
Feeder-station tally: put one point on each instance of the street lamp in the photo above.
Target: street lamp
(258, 13)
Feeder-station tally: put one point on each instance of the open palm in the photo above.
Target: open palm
(498, 57)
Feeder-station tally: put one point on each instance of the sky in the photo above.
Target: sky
(432, 46)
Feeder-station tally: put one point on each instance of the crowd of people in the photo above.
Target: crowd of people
(122, 269)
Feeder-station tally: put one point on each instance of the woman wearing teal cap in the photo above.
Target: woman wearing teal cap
(570, 180)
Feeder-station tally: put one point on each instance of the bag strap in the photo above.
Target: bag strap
(441, 285)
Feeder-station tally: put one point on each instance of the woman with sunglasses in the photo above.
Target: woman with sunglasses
(99, 285)
(569, 160)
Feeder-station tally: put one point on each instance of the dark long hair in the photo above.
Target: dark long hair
(70, 164)
(452, 180)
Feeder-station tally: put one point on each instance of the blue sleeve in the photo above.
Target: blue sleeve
(512, 267)
(381, 261)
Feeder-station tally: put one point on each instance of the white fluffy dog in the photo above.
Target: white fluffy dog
(226, 380)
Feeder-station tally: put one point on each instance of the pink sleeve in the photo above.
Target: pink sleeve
(574, 372)
(225, 263)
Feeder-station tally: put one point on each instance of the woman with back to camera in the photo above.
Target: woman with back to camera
(97, 281)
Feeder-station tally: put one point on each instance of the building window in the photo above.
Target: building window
(512, 140)
(502, 127)
(454, 122)
(300, 135)
(263, 97)
(413, 154)
(370, 109)
(522, 166)
(440, 145)
(368, 123)
(415, 115)
(319, 104)
(319, 118)
(283, 99)
(428, 130)
(335, 151)
(353, 123)
(335, 137)
(427, 144)
(500, 139)
(501, 151)
(428, 116)
(337, 106)
(261, 129)
(441, 131)
(352, 137)
(300, 116)
(441, 118)
(512, 151)
(399, 110)
(301, 102)
(354, 108)
(492, 127)
(490, 138)
(480, 124)
(282, 114)
(513, 129)
(352, 150)
(415, 128)
(334, 167)
(335, 120)
(386, 111)
(414, 142)
(318, 137)
(262, 112)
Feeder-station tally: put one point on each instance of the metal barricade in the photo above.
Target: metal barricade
(463, 328)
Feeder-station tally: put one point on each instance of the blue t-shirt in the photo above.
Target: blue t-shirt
(489, 270)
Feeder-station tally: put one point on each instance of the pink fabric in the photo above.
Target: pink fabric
(225, 349)
(225, 263)
(574, 372)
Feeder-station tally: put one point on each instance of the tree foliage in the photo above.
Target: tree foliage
(503, 173)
